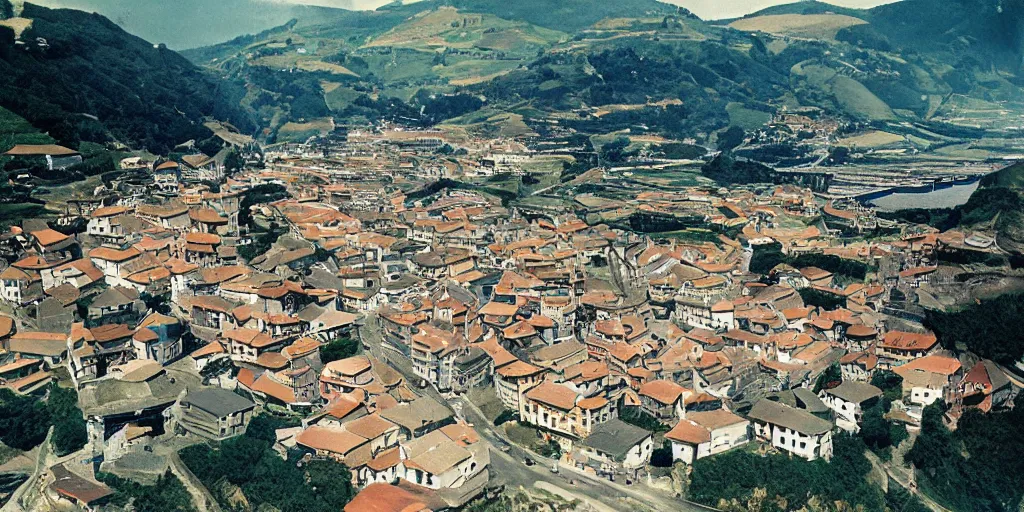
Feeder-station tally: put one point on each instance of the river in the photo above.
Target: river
(941, 197)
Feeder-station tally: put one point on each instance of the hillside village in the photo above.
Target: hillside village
(431, 338)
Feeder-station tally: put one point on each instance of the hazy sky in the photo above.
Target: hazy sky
(718, 9)
(182, 24)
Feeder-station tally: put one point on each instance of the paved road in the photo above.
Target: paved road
(509, 468)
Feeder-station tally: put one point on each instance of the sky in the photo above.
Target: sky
(724, 9)
(207, 22)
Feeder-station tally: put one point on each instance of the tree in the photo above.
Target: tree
(731, 139)
(890, 383)
(830, 378)
(234, 162)
(167, 494)
(338, 349)
(23, 420)
(615, 151)
(69, 428)
(662, 457)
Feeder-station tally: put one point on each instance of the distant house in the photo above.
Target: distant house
(792, 430)
(215, 413)
(55, 157)
(703, 434)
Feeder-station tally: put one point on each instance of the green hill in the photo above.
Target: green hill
(79, 77)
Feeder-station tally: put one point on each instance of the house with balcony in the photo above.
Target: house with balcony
(792, 430)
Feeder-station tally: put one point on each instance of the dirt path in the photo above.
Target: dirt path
(201, 496)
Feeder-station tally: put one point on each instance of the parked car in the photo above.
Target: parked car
(529, 462)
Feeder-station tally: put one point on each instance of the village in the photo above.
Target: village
(445, 342)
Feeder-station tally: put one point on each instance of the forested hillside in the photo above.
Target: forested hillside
(80, 77)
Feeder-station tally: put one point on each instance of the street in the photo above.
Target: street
(509, 469)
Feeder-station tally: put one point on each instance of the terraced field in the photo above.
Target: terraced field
(808, 26)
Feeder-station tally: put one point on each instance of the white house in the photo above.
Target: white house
(617, 447)
(705, 433)
(792, 430)
(848, 401)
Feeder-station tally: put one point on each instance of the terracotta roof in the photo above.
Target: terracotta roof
(689, 432)
(330, 439)
(202, 238)
(861, 331)
(49, 236)
(715, 419)
(723, 306)
(206, 216)
(115, 255)
(518, 368)
(664, 391)
(350, 366)
(249, 337)
(208, 350)
(901, 340)
(519, 330)
(931, 364)
(555, 395)
(109, 211)
(379, 497)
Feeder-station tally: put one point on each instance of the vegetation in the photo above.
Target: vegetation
(249, 464)
(338, 349)
(662, 457)
(766, 257)
(890, 383)
(506, 416)
(262, 242)
(260, 194)
(25, 420)
(636, 416)
(840, 266)
(95, 82)
(978, 467)
(167, 494)
(830, 378)
(789, 483)
(445, 183)
(982, 328)
(878, 433)
(551, 449)
(69, 430)
(824, 300)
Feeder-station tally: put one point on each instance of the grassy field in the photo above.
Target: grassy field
(746, 118)
(809, 26)
(474, 71)
(16, 130)
(298, 132)
(446, 27)
(871, 139)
